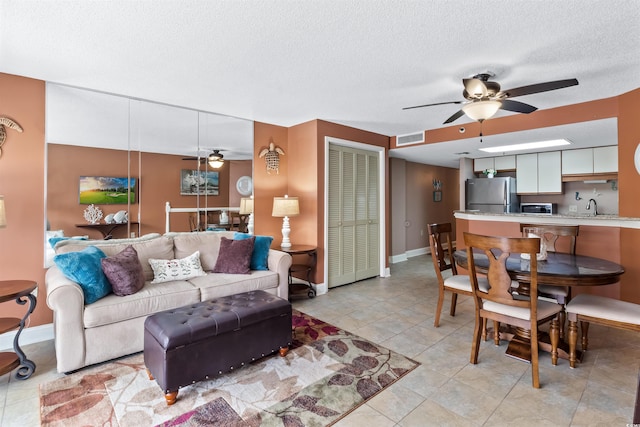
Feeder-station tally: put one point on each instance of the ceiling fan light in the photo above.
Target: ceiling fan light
(481, 110)
(216, 163)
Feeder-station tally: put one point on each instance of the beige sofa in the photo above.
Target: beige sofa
(114, 325)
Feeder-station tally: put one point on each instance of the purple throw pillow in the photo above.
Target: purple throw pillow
(235, 256)
(124, 272)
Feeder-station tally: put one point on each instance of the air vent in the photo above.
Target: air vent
(410, 138)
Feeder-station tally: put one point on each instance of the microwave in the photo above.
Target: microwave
(539, 208)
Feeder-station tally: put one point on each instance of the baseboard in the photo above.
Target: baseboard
(417, 252)
(393, 259)
(413, 252)
(28, 336)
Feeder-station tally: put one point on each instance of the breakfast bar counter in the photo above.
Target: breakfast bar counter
(566, 219)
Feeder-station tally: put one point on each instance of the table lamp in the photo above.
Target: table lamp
(3, 215)
(246, 207)
(285, 207)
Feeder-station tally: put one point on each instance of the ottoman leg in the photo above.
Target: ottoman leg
(150, 374)
(171, 397)
(283, 351)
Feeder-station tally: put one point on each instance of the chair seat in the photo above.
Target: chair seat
(562, 291)
(463, 283)
(605, 308)
(545, 309)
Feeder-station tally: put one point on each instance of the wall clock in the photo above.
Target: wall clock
(244, 185)
(636, 159)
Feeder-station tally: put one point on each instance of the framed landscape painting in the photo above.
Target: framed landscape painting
(107, 190)
(193, 183)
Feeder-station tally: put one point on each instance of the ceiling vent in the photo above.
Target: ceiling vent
(409, 139)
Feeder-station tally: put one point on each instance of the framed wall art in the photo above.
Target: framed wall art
(194, 182)
(106, 190)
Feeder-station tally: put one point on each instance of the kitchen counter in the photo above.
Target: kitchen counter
(566, 219)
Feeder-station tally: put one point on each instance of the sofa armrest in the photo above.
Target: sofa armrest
(66, 299)
(280, 262)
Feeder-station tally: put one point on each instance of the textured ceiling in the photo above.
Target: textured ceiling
(351, 62)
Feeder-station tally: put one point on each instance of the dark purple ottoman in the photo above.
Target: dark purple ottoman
(199, 341)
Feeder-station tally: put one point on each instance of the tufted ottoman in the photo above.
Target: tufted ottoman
(202, 340)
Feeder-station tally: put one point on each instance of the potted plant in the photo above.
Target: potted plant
(489, 172)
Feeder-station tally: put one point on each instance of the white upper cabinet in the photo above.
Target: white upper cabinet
(576, 162)
(605, 159)
(590, 160)
(479, 165)
(539, 173)
(504, 163)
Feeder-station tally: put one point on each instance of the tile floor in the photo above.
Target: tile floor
(445, 390)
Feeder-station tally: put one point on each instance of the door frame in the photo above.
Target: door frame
(381, 151)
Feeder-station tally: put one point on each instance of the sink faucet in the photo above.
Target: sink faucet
(595, 206)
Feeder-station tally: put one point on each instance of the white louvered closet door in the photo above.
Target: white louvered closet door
(353, 246)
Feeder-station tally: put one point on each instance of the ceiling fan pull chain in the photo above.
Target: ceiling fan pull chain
(481, 130)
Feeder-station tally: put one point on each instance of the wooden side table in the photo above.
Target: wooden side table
(307, 268)
(18, 290)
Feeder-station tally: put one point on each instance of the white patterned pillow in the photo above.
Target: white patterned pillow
(166, 270)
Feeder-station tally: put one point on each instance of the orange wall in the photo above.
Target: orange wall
(22, 184)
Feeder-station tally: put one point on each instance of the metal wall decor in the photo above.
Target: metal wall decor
(271, 156)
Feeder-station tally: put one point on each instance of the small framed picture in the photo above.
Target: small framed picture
(437, 196)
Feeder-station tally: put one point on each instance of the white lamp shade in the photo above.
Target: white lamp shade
(481, 110)
(3, 215)
(285, 206)
(246, 205)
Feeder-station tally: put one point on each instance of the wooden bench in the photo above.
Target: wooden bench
(600, 310)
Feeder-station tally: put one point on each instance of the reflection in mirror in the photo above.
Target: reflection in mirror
(90, 133)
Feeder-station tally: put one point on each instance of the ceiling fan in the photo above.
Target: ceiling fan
(215, 159)
(484, 97)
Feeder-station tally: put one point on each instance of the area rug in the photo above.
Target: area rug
(327, 374)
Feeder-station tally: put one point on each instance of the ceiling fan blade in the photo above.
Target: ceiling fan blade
(516, 106)
(474, 88)
(431, 105)
(455, 117)
(540, 87)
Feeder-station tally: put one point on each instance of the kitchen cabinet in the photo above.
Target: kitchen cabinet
(479, 165)
(605, 159)
(501, 163)
(504, 163)
(539, 173)
(590, 160)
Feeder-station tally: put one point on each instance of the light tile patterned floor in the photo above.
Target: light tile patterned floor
(446, 389)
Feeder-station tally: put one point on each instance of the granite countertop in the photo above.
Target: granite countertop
(578, 219)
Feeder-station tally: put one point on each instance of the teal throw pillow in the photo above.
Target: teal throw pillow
(260, 250)
(54, 240)
(85, 268)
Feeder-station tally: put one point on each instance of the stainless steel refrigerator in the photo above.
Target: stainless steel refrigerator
(496, 195)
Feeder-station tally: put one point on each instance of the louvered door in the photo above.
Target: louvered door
(353, 222)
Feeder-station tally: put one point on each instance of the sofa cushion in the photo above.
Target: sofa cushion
(124, 272)
(220, 284)
(208, 243)
(84, 268)
(260, 252)
(167, 270)
(148, 246)
(150, 299)
(235, 256)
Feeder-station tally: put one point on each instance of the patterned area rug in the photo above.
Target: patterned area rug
(327, 374)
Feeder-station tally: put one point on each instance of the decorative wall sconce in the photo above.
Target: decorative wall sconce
(271, 156)
(5, 121)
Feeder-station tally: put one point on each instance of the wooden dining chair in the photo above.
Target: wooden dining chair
(605, 311)
(567, 235)
(498, 303)
(456, 283)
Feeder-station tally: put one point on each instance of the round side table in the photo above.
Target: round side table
(307, 268)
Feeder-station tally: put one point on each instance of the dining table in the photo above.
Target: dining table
(558, 269)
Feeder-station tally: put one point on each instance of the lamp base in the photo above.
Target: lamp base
(250, 224)
(286, 243)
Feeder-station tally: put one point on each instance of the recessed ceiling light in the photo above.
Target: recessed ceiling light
(526, 146)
